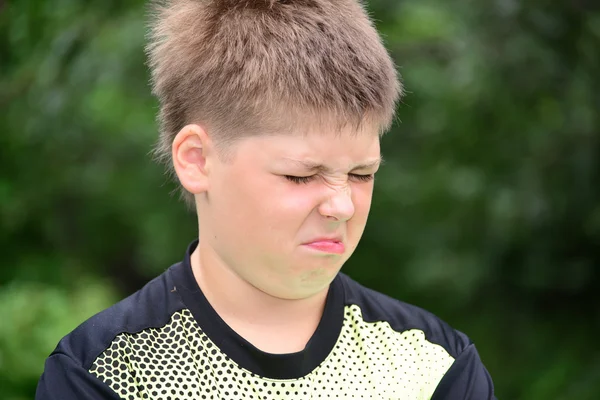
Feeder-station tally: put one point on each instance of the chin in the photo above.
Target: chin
(306, 291)
(318, 278)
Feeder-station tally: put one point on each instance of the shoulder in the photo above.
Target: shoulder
(150, 307)
(402, 317)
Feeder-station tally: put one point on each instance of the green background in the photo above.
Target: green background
(486, 212)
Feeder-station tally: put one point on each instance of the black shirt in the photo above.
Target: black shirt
(167, 342)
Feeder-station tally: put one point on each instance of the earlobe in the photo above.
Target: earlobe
(191, 148)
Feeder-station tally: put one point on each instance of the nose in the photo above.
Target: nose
(338, 205)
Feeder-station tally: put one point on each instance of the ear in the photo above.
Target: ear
(192, 150)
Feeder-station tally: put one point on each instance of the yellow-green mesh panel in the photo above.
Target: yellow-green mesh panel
(178, 361)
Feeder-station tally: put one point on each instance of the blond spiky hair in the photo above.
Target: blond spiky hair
(249, 67)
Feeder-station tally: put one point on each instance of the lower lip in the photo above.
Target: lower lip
(328, 247)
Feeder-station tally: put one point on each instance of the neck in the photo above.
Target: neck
(270, 323)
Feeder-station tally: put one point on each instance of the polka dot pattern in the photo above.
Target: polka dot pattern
(178, 361)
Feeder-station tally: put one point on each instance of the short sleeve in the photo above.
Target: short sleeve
(64, 379)
(466, 379)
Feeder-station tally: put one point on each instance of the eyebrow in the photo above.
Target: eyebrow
(315, 166)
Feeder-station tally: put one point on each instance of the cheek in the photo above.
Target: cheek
(265, 204)
(298, 200)
(286, 212)
(361, 197)
(235, 207)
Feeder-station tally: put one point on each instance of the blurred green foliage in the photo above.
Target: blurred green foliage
(486, 213)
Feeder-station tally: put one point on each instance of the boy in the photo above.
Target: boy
(271, 114)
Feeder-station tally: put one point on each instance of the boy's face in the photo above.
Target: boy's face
(276, 222)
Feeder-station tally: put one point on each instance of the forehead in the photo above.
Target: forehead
(315, 148)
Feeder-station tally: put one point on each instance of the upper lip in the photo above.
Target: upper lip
(326, 239)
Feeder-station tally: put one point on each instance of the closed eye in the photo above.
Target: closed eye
(299, 179)
(362, 178)
(307, 179)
